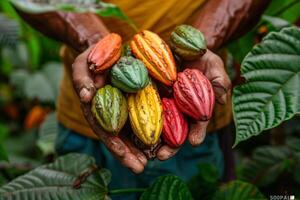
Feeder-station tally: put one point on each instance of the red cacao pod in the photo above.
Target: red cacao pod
(175, 127)
(194, 94)
(105, 53)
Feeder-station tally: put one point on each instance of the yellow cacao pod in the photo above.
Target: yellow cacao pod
(145, 114)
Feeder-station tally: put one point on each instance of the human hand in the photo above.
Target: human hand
(213, 68)
(86, 84)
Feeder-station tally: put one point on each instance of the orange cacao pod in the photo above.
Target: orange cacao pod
(156, 55)
(105, 53)
(35, 117)
(175, 127)
(194, 94)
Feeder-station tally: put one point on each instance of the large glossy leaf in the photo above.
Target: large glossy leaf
(47, 134)
(238, 190)
(55, 181)
(266, 165)
(168, 187)
(271, 93)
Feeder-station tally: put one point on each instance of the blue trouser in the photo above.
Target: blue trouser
(183, 164)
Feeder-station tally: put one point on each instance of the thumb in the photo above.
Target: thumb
(197, 132)
(82, 78)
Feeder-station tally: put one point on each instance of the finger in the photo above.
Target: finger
(216, 73)
(82, 77)
(123, 153)
(113, 143)
(139, 154)
(213, 68)
(166, 152)
(130, 161)
(197, 132)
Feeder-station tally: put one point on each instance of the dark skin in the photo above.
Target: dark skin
(220, 21)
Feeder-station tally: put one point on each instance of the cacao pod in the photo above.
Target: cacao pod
(194, 94)
(105, 53)
(188, 42)
(35, 117)
(109, 107)
(156, 55)
(129, 75)
(145, 114)
(175, 127)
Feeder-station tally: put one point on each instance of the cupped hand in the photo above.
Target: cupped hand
(213, 68)
(86, 84)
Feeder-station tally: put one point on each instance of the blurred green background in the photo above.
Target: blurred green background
(30, 73)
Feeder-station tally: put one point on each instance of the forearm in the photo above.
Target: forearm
(78, 30)
(222, 20)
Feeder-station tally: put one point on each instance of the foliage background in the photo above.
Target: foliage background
(30, 72)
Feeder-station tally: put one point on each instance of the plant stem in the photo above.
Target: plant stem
(127, 190)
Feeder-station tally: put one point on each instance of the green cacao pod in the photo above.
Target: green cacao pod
(109, 107)
(129, 75)
(188, 42)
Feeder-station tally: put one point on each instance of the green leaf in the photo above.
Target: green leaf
(17, 79)
(205, 183)
(3, 154)
(296, 171)
(238, 190)
(168, 187)
(294, 144)
(55, 181)
(53, 71)
(276, 22)
(266, 165)
(47, 134)
(34, 48)
(38, 86)
(4, 131)
(9, 31)
(271, 94)
(22, 149)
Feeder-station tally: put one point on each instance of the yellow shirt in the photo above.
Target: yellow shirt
(160, 16)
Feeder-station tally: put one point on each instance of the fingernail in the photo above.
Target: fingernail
(83, 94)
(162, 155)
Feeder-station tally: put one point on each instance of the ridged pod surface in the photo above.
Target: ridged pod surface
(156, 55)
(129, 75)
(194, 94)
(109, 107)
(105, 53)
(145, 114)
(175, 127)
(188, 42)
